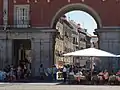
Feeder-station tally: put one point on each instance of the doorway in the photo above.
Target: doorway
(21, 51)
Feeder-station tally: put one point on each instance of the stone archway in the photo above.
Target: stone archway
(76, 6)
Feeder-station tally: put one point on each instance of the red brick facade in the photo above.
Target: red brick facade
(42, 12)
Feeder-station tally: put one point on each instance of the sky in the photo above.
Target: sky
(84, 19)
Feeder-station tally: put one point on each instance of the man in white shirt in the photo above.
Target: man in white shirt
(64, 73)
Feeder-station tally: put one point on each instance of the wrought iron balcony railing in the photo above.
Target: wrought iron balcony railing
(18, 24)
(21, 23)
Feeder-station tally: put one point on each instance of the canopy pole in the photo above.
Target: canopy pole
(91, 59)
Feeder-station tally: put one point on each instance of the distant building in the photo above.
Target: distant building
(63, 41)
(81, 41)
(88, 39)
(59, 43)
(94, 41)
(82, 37)
(74, 35)
(71, 37)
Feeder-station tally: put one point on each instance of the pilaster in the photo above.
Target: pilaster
(42, 51)
(109, 40)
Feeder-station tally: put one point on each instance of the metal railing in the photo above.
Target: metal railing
(18, 24)
(21, 23)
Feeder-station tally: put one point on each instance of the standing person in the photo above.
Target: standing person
(49, 74)
(64, 73)
(12, 74)
(19, 72)
(2, 75)
(25, 72)
(68, 69)
(41, 71)
(54, 71)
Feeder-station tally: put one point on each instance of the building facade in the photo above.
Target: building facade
(64, 41)
(80, 41)
(94, 41)
(88, 39)
(74, 35)
(59, 43)
(82, 44)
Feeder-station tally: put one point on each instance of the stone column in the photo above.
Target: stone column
(35, 57)
(9, 51)
(109, 40)
(45, 51)
(2, 54)
(5, 50)
(42, 54)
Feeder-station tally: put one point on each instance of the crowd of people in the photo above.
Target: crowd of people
(12, 73)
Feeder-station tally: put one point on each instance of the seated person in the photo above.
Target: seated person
(118, 73)
(71, 72)
(106, 75)
(79, 73)
(101, 73)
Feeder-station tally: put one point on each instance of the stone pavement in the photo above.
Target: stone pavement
(52, 86)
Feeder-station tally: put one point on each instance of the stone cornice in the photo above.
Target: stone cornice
(110, 29)
(34, 29)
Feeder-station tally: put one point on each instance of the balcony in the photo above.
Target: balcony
(17, 24)
(59, 36)
(21, 24)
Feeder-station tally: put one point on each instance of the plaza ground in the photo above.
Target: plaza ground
(52, 86)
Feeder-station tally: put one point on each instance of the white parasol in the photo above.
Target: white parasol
(91, 52)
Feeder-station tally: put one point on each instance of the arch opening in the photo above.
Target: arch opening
(68, 38)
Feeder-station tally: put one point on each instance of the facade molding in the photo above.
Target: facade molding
(24, 30)
(110, 29)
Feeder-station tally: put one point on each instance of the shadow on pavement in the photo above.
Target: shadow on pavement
(30, 81)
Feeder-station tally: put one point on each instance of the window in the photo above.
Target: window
(21, 16)
(66, 34)
(73, 40)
